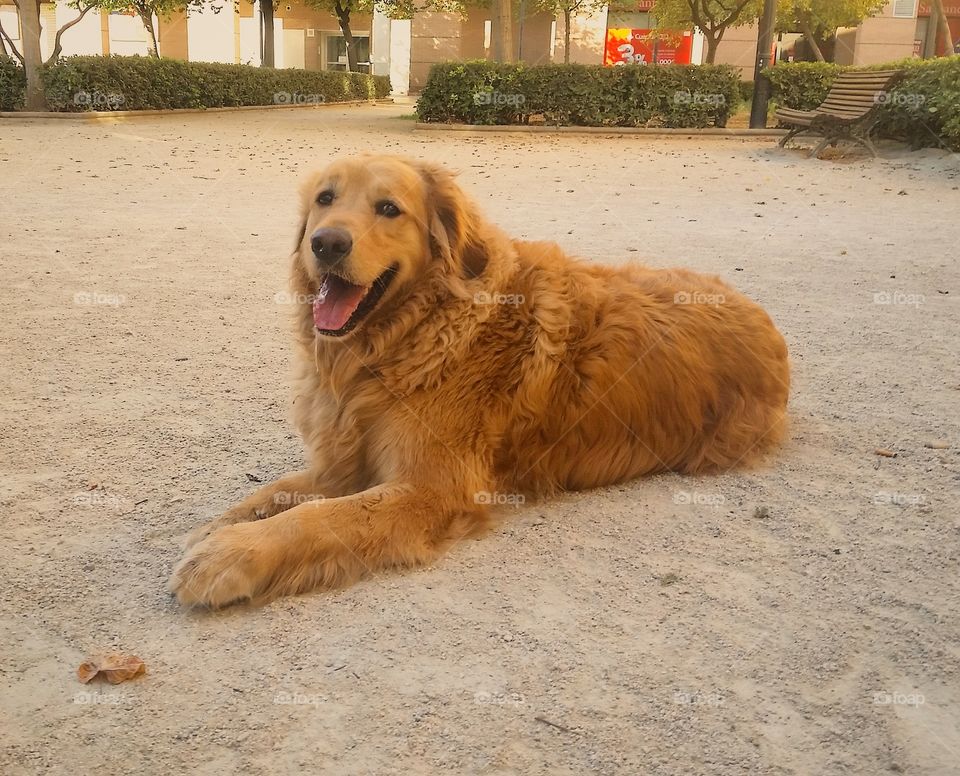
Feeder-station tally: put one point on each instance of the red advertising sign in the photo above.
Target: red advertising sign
(634, 47)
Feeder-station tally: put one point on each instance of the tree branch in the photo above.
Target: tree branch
(734, 14)
(57, 48)
(6, 39)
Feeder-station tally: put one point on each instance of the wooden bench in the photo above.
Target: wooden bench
(849, 112)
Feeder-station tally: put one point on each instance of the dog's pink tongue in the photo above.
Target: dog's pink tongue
(335, 303)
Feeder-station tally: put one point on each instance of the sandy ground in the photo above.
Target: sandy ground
(800, 619)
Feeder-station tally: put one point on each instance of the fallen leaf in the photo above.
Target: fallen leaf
(115, 667)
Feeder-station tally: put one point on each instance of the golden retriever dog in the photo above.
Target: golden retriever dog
(445, 368)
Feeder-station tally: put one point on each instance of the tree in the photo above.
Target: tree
(342, 10)
(145, 10)
(943, 27)
(268, 58)
(568, 9)
(713, 17)
(819, 19)
(30, 57)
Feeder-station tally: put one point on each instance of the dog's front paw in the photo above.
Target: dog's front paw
(232, 564)
(230, 517)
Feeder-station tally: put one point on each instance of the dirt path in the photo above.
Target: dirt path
(802, 619)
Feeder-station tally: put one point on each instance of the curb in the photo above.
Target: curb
(100, 115)
(706, 132)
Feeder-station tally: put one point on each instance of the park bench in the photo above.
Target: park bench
(849, 112)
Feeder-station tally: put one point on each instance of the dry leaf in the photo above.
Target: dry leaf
(115, 667)
(885, 452)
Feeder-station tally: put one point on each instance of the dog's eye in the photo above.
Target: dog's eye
(325, 197)
(388, 209)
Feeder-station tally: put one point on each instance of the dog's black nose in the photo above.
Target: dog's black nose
(330, 245)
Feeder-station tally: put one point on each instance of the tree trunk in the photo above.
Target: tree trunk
(712, 44)
(566, 35)
(343, 17)
(943, 27)
(146, 16)
(807, 31)
(266, 16)
(32, 59)
(501, 31)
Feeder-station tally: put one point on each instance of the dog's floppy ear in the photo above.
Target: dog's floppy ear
(301, 233)
(308, 190)
(453, 223)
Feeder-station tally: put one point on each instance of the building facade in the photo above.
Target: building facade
(405, 49)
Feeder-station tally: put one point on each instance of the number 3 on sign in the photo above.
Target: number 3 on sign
(628, 55)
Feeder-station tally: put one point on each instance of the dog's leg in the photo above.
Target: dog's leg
(270, 500)
(324, 543)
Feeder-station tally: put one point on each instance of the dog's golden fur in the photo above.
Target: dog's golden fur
(489, 366)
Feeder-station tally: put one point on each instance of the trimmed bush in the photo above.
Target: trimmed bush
(143, 83)
(801, 85)
(583, 95)
(13, 82)
(923, 109)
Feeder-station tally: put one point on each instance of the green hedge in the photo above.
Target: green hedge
(142, 83)
(923, 109)
(584, 95)
(13, 82)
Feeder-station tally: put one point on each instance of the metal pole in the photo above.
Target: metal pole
(765, 57)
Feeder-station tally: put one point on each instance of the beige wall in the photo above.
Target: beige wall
(172, 35)
(846, 46)
(738, 48)
(884, 38)
(536, 38)
(434, 37)
(587, 36)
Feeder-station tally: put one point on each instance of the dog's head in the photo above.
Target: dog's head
(372, 228)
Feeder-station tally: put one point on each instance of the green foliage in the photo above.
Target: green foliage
(13, 83)
(922, 109)
(824, 16)
(801, 85)
(143, 83)
(582, 95)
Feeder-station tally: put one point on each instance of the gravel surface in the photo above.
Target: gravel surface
(796, 619)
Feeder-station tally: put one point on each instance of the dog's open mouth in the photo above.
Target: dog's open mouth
(340, 305)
